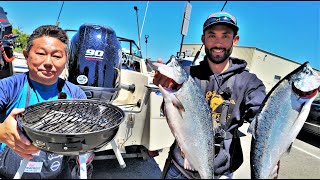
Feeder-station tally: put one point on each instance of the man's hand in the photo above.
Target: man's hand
(275, 172)
(221, 162)
(11, 135)
(222, 159)
(164, 81)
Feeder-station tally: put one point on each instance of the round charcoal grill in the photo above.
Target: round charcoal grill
(71, 127)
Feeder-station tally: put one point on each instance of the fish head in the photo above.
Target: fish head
(305, 82)
(173, 69)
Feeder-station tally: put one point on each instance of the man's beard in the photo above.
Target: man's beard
(220, 59)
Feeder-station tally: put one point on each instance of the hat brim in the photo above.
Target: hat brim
(231, 25)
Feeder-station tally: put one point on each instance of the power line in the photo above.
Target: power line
(224, 5)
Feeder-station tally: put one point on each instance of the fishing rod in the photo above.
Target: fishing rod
(57, 22)
(140, 32)
(198, 53)
(144, 18)
(224, 5)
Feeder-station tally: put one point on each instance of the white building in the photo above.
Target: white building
(269, 67)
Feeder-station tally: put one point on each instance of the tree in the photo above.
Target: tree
(21, 41)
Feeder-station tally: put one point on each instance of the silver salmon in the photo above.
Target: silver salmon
(189, 118)
(280, 119)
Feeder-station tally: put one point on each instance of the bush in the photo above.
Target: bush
(21, 41)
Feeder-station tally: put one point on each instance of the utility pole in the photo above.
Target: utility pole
(136, 9)
(146, 36)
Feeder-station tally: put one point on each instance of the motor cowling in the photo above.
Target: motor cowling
(95, 61)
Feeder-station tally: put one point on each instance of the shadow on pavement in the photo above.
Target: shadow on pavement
(136, 168)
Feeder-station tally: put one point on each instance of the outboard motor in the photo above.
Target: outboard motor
(95, 61)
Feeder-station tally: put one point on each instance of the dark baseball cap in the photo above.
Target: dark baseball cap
(221, 18)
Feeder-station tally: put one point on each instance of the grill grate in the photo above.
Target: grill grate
(72, 116)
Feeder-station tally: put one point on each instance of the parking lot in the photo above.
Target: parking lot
(303, 162)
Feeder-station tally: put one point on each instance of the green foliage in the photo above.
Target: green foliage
(21, 40)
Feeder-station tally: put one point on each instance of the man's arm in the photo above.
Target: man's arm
(253, 98)
(255, 95)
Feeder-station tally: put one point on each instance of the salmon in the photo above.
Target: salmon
(280, 119)
(189, 119)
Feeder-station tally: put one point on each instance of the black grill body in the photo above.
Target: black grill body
(71, 127)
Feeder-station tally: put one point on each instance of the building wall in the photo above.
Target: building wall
(245, 53)
(270, 68)
(191, 49)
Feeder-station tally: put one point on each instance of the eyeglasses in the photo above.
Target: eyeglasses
(213, 20)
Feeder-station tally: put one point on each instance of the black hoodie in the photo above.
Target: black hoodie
(248, 90)
(247, 94)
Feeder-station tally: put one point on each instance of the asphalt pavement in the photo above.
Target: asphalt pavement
(303, 162)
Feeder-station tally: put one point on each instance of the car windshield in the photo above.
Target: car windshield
(129, 45)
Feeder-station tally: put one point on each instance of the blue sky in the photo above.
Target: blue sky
(290, 29)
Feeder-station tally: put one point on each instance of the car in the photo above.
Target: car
(312, 123)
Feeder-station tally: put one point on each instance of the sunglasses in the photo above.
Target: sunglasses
(219, 19)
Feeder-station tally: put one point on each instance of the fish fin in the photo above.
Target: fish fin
(289, 148)
(171, 97)
(252, 128)
(304, 112)
(178, 104)
(187, 165)
(178, 142)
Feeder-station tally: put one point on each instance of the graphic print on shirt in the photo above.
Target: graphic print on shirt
(215, 101)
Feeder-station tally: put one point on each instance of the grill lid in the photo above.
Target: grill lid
(71, 116)
(70, 127)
